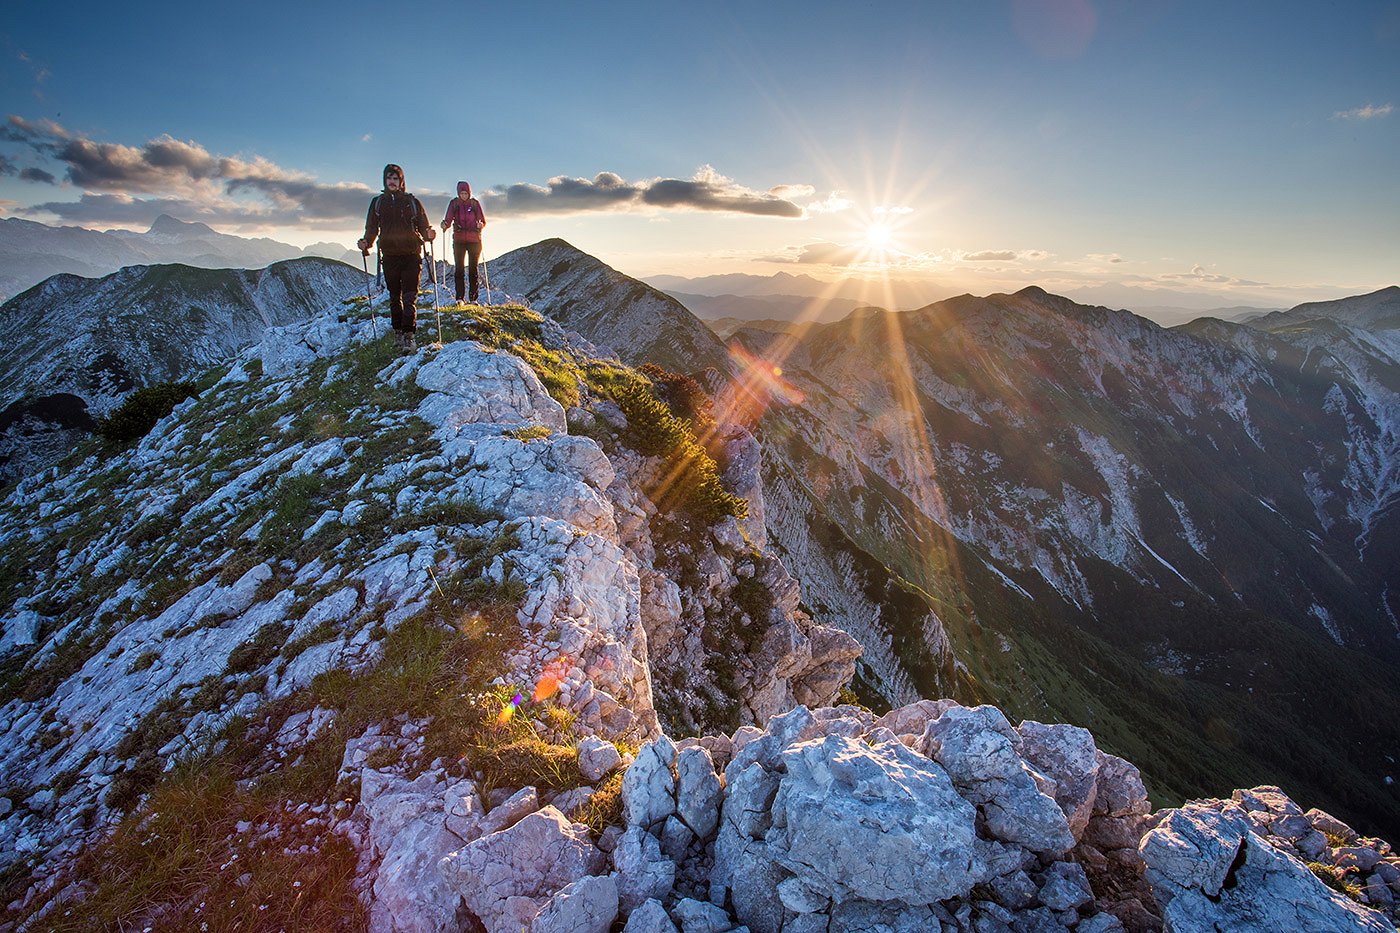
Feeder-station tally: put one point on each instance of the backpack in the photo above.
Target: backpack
(398, 226)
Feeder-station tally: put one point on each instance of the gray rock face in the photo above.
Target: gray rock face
(1210, 870)
(650, 917)
(840, 803)
(596, 757)
(698, 790)
(588, 905)
(513, 873)
(1066, 755)
(649, 787)
(977, 746)
(643, 872)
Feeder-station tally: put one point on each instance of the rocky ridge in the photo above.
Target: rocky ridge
(285, 530)
(289, 522)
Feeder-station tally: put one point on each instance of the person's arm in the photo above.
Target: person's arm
(447, 218)
(479, 212)
(371, 227)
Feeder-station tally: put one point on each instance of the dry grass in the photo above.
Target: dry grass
(179, 864)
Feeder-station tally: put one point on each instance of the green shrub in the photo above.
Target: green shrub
(134, 417)
(651, 428)
(682, 394)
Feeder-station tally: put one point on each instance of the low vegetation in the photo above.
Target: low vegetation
(139, 412)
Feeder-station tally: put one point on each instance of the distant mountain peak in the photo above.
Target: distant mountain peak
(173, 226)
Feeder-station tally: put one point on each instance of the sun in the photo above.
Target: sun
(878, 236)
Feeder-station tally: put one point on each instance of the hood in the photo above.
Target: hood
(384, 176)
(464, 190)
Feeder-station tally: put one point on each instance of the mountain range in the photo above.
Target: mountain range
(1083, 516)
(31, 252)
(784, 296)
(407, 628)
(1015, 497)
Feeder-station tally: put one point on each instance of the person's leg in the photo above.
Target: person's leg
(393, 280)
(412, 274)
(474, 254)
(459, 248)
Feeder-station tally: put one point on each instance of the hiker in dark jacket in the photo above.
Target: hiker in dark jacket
(467, 218)
(398, 219)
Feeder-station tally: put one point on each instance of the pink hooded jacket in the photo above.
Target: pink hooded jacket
(466, 215)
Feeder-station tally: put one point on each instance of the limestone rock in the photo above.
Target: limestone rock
(649, 787)
(701, 917)
(596, 757)
(1210, 870)
(1065, 754)
(588, 905)
(650, 917)
(977, 747)
(532, 860)
(698, 790)
(643, 872)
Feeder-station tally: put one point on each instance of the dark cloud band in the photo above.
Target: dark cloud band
(215, 189)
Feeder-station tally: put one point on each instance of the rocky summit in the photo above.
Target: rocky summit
(488, 636)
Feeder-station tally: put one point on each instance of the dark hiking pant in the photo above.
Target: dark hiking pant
(472, 252)
(401, 276)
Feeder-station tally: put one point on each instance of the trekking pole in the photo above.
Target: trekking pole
(369, 297)
(437, 308)
(487, 277)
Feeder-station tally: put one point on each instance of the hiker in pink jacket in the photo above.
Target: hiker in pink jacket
(467, 218)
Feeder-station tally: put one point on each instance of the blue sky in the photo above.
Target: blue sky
(1238, 153)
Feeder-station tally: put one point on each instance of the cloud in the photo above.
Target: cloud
(227, 189)
(607, 191)
(831, 204)
(892, 211)
(120, 210)
(1198, 273)
(825, 253)
(1005, 255)
(38, 175)
(367, 137)
(1369, 112)
(1105, 257)
(7, 167)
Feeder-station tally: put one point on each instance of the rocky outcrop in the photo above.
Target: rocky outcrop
(1259, 862)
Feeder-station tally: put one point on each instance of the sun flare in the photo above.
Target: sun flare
(878, 236)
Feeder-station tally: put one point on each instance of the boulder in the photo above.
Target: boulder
(1209, 870)
(643, 872)
(589, 905)
(1066, 755)
(977, 746)
(503, 875)
(650, 917)
(596, 757)
(698, 790)
(649, 787)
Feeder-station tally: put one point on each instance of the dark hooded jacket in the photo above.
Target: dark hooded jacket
(397, 218)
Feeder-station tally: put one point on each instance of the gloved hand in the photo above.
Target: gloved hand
(364, 247)
(445, 223)
(432, 234)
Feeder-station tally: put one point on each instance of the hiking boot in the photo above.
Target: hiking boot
(410, 343)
